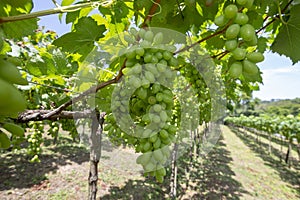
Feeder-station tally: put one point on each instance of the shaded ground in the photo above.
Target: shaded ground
(235, 169)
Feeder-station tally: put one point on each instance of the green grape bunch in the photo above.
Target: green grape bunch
(143, 103)
(154, 106)
(241, 39)
(156, 102)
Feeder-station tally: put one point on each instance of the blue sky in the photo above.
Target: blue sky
(281, 79)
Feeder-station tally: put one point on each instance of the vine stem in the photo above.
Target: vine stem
(151, 13)
(91, 90)
(202, 40)
(57, 10)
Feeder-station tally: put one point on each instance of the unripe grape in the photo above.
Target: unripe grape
(142, 93)
(252, 42)
(151, 100)
(239, 53)
(163, 134)
(170, 48)
(155, 119)
(249, 4)
(230, 11)
(159, 178)
(153, 138)
(172, 129)
(126, 71)
(157, 143)
(166, 140)
(159, 97)
(220, 20)
(250, 67)
(133, 31)
(241, 19)
(145, 44)
(143, 159)
(247, 32)
(230, 45)
(157, 108)
(161, 67)
(236, 69)
(148, 58)
(155, 88)
(130, 62)
(154, 59)
(129, 39)
(151, 68)
(233, 31)
(167, 99)
(255, 57)
(135, 81)
(147, 147)
(158, 155)
(241, 2)
(167, 55)
(140, 51)
(130, 54)
(158, 55)
(161, 171)
(158, 38)
(173, 62)
(146, 118)
(149, 167)
(150, 77)
(163, 116)
(142, 32)
(137, 68)
(149, 36)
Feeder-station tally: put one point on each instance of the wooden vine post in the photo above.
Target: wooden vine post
(95, 153)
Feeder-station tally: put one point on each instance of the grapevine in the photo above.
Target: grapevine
(38, 69)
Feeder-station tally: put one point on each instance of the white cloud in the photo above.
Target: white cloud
(280, 83)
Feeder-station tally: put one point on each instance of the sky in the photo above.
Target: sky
(281, 78)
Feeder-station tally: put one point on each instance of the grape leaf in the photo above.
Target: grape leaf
(67, 2)
(287, 41)
(120, 10)
(262, 44)
(82, 39)
(23, 6)
(215, 42)
(16, 30)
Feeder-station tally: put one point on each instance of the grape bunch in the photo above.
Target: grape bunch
(35, 140)
(143, 103)
(239, 36)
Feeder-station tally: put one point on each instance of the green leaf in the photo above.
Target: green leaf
(20, 6)
(252, 78)
(262, 44)
(67, 2)
(216, 42)
(121, 11)
(72, 17)
(18, 29)
(4, 141)
(287, 41)
(14, 129)
(82, 39)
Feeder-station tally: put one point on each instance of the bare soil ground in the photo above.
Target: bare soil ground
(237, 168)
